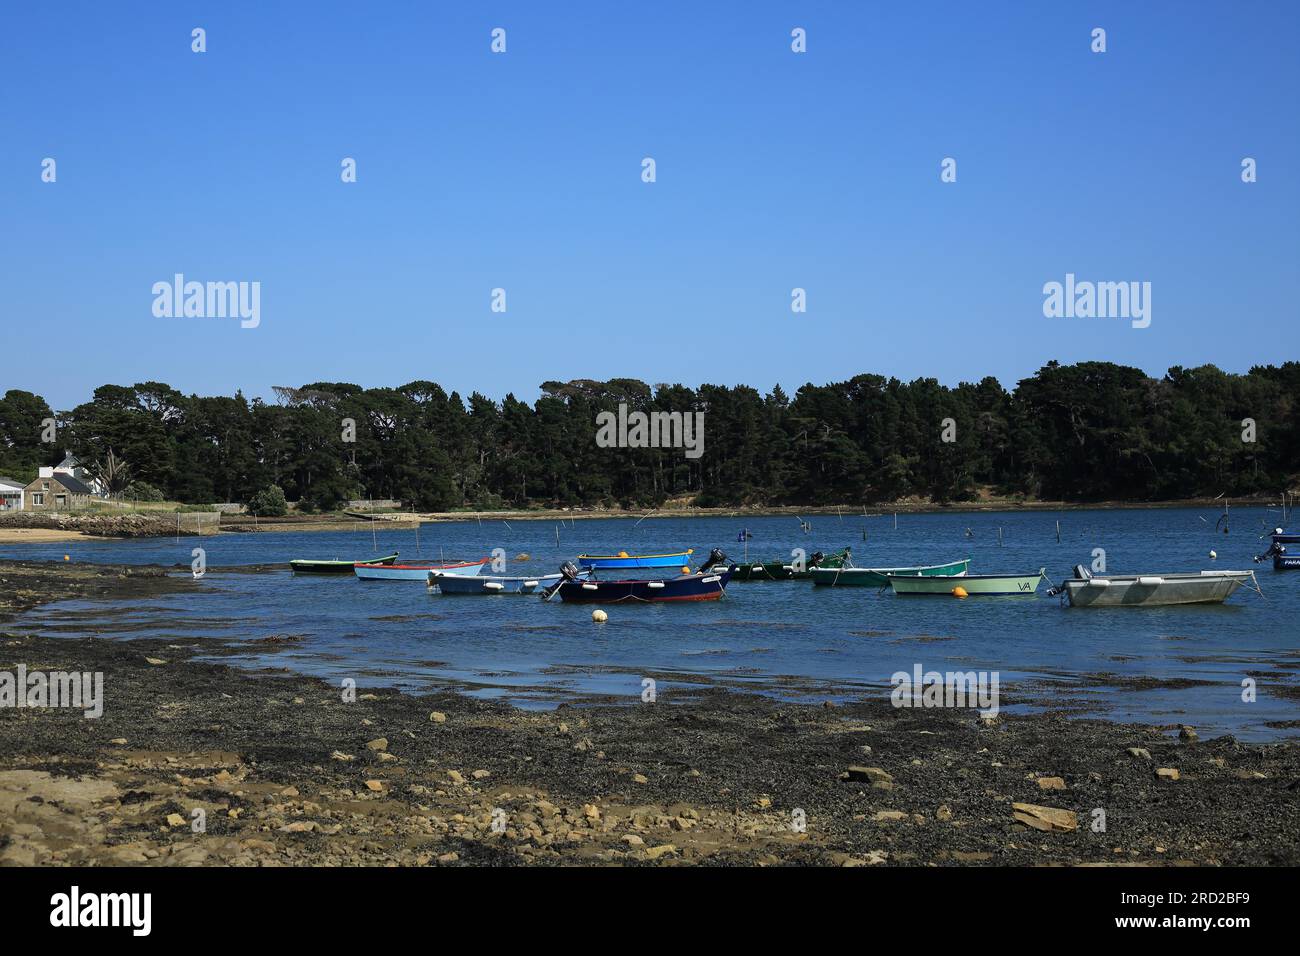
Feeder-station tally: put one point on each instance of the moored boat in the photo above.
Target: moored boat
(415, 572)
(312, 566)
(674, 559)
(706, 584)
(879, 577)
(1286, 561)
(1283, 559)
(783, 571)
(981, 585)
(455, 583)
(1151, 590)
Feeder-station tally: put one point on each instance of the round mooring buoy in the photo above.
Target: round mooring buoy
(959, 592)
(1213, 555)
(599, 616)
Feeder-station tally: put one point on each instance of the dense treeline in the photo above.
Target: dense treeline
(1093, 431)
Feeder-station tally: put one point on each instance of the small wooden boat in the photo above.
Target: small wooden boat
(973, 584)
(414, 572)
(453, 583)
(311, 566)
(879, 577)
(781, 571)
(706, 584)
(1285, 537)
(674, 559)
(1150, 590)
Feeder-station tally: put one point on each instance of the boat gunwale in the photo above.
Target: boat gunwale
(421, 567)
(635, 557)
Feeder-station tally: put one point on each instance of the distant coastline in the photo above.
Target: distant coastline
(21, 527)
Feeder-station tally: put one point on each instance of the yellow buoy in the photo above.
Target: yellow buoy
(622, 554)
(599, 616)
(685, 569)
(959, 591)
(66, 558)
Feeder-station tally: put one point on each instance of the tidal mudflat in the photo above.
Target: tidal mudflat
(196, 762)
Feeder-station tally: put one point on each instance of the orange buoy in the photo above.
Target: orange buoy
(685, 569)
(622, 554)
(959, 591)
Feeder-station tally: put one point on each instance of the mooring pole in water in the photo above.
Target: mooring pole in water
(895, 520)
(1058, 530)
(999, 536)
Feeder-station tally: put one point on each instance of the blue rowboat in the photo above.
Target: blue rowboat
(414, 572)
(456, 583)
(1286, 537)
(624, 560)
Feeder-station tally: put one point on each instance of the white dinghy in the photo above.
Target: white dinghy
(1151, 590)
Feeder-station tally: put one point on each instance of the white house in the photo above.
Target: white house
(73, 468)
(12, 495)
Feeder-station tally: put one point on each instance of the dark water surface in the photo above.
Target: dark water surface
(1174, 665)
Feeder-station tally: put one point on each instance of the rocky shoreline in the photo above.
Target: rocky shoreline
(282, 769)
(132, 525)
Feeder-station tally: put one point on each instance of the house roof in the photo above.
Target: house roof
(10, 481)
(67, 481)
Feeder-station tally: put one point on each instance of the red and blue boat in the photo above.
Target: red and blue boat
(415, 572)
(706, 584)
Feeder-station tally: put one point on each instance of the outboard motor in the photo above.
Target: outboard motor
(716, 556)
(815, 561)
(569, 571)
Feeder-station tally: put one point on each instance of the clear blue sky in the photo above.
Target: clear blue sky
(522, 171)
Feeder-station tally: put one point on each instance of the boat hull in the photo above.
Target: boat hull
(1286, 562)
(1286, 538)
(780, 571)
(486, 584)
(687, 587)
(1154, 590)
(309, 566)
(879, 577)
(975, 585)
(414, 572)
(623, 561)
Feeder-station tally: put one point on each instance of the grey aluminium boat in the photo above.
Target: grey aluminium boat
(1151, 590)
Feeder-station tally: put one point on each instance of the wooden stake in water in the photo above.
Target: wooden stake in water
(1058, 531)
(895, 520)
(374, 537)
(999, 536)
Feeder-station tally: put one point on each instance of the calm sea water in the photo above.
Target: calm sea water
(789, 639)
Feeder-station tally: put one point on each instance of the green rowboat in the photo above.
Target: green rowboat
(308, 566)
(780, 571)
(972, 584)
(879, 577)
